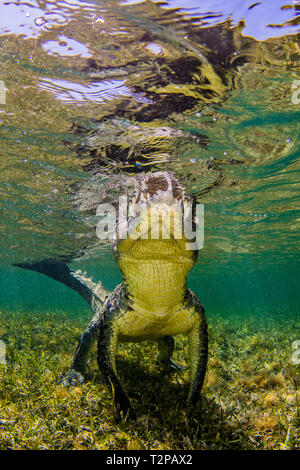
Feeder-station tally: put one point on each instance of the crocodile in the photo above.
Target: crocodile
(135, 143)
(153, 301)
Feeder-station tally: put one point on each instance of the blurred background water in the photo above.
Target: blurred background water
(83, 86)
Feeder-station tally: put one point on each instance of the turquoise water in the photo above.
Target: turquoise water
(245, 289)
(250, 261)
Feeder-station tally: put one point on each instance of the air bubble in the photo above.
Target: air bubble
(39, 21)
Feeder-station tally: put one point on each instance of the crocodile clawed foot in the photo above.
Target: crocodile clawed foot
(124, 410)
(129, 415)
(170, 366)
(126, 413)
(72, 379)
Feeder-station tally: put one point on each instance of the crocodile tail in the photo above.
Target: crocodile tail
(91, 292)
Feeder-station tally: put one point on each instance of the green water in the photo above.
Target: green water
(245, 289)
(250, 261)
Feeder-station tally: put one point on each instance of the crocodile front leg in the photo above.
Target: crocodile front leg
(107, 349)
(75, 375)
(85, 343)
(198, 349)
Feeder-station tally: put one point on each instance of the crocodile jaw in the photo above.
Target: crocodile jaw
(154, 271)
(153, 259)
(155, 284)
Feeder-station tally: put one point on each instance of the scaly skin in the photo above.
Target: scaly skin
(151, 303)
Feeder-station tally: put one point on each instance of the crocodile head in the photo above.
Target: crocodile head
(153, 252)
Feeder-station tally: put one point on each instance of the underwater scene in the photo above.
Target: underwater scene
(150, 225)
